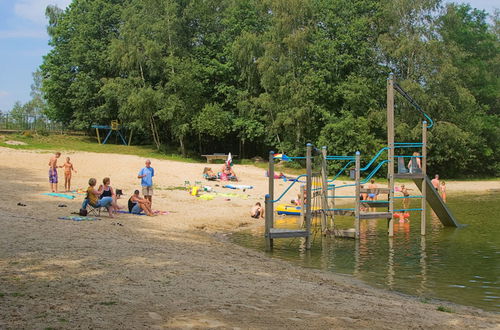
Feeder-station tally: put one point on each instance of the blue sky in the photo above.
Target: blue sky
(23, 42)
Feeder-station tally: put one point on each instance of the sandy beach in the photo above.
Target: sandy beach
(176, 270)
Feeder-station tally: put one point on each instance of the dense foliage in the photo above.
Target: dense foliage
(251, 75)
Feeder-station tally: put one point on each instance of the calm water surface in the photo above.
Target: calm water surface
(459, 265)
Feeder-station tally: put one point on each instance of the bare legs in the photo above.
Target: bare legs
(146, 207)
(67, 182)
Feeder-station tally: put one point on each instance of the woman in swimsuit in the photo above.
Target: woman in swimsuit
(443, 191)
(68, 168)
(107, 191)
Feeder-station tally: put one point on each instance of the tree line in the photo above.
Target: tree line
(254, 75)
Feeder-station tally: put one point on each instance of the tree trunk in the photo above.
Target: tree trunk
(183, 148)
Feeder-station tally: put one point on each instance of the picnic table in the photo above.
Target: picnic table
(210, 158)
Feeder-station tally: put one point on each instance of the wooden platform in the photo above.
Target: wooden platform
(408, 176)
(376, 191)
(287, 233)
(375, 215)
(345, 233)
(347, 213)
(372, 204)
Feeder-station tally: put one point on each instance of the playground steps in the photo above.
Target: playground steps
(411, 176)
(375, 204)
(287, 233)
(377, 190)
(348, 213)
(375, 215)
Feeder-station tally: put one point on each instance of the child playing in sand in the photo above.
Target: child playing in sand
(209, 174)
(68, 168)
(443, 191)
(257, 211)
(53, 179)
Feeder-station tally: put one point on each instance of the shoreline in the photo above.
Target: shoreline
(173, 271)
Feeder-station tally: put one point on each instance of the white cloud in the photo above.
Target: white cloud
(3, 94)
(24, 33)
(34, 10)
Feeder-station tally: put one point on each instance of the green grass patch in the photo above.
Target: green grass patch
(442, 308)
(108, 303)
(59, 142)
(17, 294)
(2, 294)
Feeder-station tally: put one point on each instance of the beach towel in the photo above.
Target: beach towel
(78, 218)
(237, 186)
(155, 212)
(59, 195)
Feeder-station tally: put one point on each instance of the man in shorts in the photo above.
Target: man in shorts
(146, 175)
(53, 179)
(435, 182)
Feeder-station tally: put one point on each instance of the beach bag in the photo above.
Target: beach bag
(82, 212)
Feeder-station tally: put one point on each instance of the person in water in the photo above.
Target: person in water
(406, 195)
(68, 169)
(257, 211)
(443, 191)
(435, 182)
(372, 192)
(136, 205)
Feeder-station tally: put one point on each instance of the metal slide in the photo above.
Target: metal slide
(442, 211)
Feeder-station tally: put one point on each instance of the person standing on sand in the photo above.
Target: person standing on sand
(68, 168)
(146, 175)
(435, 182)
(53, 179)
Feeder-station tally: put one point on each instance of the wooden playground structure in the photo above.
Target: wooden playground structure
(116, 128)
(318, 195)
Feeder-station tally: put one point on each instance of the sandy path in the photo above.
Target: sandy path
(173, 271)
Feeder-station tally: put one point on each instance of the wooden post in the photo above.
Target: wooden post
(423, 162)
(390, 144)
(308, 195)
(130, 137)
(357, 204)
(269, 211)
(269, 222)
(302, 207)
(324, 193)
(98, 137)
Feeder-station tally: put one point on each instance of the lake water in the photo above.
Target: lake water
(461, 265)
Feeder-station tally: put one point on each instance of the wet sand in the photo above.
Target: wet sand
(176, 270)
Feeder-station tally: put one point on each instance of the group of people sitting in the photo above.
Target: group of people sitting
(105, 196)
(226, 174)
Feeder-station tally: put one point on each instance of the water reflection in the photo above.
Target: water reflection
(460, 265)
